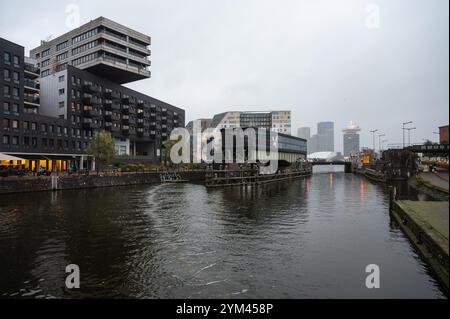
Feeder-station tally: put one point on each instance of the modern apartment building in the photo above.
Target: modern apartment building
(42, 141)
(102, 47)
(139, 123)
(351, 139)
(278, 121)
(48, 119)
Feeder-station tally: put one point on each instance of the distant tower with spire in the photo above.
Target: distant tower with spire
(351, 139)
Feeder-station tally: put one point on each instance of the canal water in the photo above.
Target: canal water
(311, 238)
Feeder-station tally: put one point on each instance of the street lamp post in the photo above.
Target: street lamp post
(382, 143)
(379, 140)
(437, 133)
(373, 138)
(409, 129)
(403, 131)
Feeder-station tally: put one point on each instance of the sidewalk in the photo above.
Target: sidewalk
(439, 179)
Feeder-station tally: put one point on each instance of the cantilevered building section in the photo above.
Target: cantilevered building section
(277, 121)
(101, 46)
(351, 139)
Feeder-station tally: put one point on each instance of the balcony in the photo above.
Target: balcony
(110, 95)
(31, 99)
(31, 84)
(89, 111)
(142, 132)
(125, 99)
(30, 68)
(90, 88)
(88, 123)
(110, 116)
(125, 109)
(111, 105)
(109, 126)
(91, 100)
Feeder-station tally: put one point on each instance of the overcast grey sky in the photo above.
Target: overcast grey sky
(324, 60)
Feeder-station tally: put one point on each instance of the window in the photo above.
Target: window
(15, 92)
(15, 124)
(45, 73)
(84, 47)
(5, 139)
(26, 140)
(61, 79)
(16, 60)
(15, 140)
(7, 57)
(45, 53)
(16, 76)
(62, 56)
(85, 59)
(6, 125)
(61, 67)
(45, 63)
(62, 45)
(61, 104)
(33, 126)
(84, 36)
(6, 107)
(7, 74)
(44, 128)
(15, 108)
(7, 90)
(61, 91)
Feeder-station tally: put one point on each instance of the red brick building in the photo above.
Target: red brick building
(443, 134)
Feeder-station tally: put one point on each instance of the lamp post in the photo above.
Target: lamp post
(373, 138)
(437, 133)
(379, 140)
(382, 143)
(409, 129)
(403, 131)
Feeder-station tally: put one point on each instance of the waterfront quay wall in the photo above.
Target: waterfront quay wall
(426, 225)
(11, 185)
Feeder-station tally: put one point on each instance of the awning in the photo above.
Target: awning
(5, 157)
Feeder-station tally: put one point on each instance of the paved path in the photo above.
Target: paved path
(438, 179)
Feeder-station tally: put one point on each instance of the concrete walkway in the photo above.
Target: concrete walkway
(439, 179)
(426, 223)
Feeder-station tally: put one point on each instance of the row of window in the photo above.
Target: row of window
(7, 73)
(7, 91)
(85, 59)
(84, 47)
(45, 142)
(84, 36)
(8, 58)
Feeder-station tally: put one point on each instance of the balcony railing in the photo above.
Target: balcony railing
(31, 99)
(31, 68)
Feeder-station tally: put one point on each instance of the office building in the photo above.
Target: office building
(277, 121)
(325, 135)
(304, 132)
(102, 47)
(351, 139)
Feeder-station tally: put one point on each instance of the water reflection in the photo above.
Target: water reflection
(305, 239)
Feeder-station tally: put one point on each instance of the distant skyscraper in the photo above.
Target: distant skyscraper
(351, 139)
(304, 132)
(325, 137)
